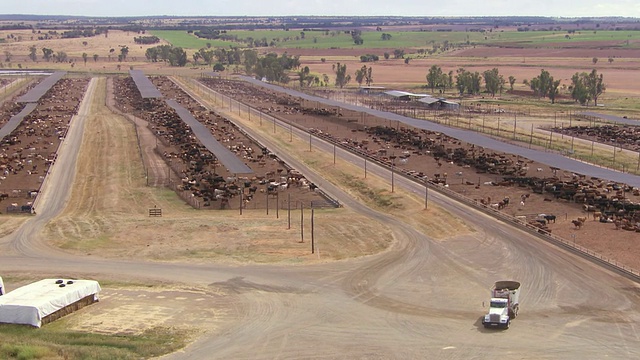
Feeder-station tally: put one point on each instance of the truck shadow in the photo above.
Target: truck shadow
(480, 327)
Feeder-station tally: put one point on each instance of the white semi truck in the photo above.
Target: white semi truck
(504, 304)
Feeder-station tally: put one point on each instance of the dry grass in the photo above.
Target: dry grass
(107, 213)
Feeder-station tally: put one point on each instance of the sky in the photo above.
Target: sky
(553, 8)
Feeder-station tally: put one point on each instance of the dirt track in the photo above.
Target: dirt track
(421, 299)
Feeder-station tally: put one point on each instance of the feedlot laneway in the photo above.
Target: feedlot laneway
(202, 178)
(421, 299)
(27, 153)
(487, 176)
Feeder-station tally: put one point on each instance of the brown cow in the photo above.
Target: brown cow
(577, 223)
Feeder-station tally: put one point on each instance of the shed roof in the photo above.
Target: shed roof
(34, 95)
(145, 86)
(226, 157)
(429, 100)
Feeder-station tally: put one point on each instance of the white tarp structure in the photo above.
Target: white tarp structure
(1, 287)
(30, 304)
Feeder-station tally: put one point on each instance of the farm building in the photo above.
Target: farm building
(46, 300)
(371, 89)
(403, 95)
(439, 103)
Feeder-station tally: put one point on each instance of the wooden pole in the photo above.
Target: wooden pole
(531, 137)
(288, 211)
(365, 168)
(426, 195)
(313, 249)
(301, 222)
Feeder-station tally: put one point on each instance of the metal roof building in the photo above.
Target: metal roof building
(16, 119)
(224, 155)
(145, 86)
(34, 95)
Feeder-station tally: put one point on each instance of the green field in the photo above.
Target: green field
(405, 39)
(55, 341)
(189, 41)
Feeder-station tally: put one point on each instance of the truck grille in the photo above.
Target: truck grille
(494, 318)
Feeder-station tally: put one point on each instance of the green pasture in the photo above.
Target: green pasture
(189, 41)
(534, 38)
(56, 341)
(404, 39)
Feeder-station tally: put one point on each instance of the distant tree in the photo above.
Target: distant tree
(323, 60)
(95, 57)
(610, 59)
(151, 54)
(342, 78)
(7, 56)
(385, 36)
(406, 60)
(541, 84)
(579, 90)
(302, 34)
(218, 67)
(61, 56)
(386, 56)
(360, 74)
(398, 54)
(595, 85)
(553, 90)
(434, 76)
(84, 57)
(124, 51)
(468, 82)
(47, 53)
(304, 76)
(492, 81)
(594, 60)
(250, 58)
(33, 53)
(512, 81)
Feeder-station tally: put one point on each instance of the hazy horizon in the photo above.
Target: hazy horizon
(452, 8)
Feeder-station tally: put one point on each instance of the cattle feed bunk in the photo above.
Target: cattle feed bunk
(202, 181)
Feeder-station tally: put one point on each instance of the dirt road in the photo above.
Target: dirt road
(420, 299)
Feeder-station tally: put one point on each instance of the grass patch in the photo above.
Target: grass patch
(180, 38)
(54, 341)
(378, 197)
(401, 39)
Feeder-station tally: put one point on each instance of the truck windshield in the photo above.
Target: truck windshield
(498, 304)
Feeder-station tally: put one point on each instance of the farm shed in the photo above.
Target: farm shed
(439, 103)
(403, 95)
(450, 105)
(370, 89)
(46, 300)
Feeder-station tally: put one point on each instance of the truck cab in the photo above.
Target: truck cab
(498, 314)
(504, 304)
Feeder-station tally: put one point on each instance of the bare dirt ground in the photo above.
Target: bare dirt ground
(599, 237)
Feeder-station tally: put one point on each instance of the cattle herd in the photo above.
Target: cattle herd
(465, 168)
(199, 174)
(622, 136)
(473, 171)
(27, 153)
